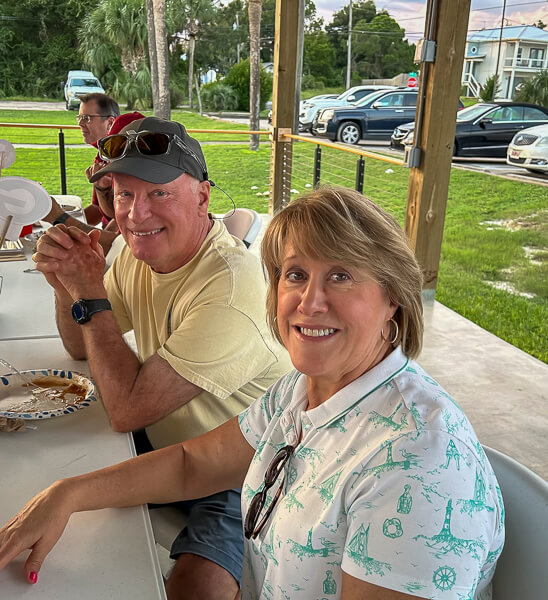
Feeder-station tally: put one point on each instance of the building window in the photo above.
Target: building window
(537, 57)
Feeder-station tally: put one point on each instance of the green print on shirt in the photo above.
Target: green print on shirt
(419, 423)
(310, 456)
(445, 542)
(405, 501)
(444, 578)
(338, 424)
(452, 428)
(476, 503)
(414, 586)
(259, 451)
(250, 492)
(357, 551)
(390, 464)
(301, 551)
(291, 501)
(392, 528)
(388, 421)
(329, 584)
(328, 486)
(451, 453)
(470, 595)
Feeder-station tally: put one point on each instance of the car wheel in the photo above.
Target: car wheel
(313, 132)
(349, 133)
(455, 149)
(67, 105)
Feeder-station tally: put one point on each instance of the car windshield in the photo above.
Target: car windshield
(371, 96)
(84, 82)
(344, 95)
(473, 112)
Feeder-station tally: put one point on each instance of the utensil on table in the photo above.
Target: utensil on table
(33, 388)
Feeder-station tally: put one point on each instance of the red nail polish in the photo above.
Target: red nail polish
(33, 577)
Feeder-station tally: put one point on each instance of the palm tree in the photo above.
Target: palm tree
(254, 9)
(117, 30)
(534, 90)
(160, 35)
(152, 54)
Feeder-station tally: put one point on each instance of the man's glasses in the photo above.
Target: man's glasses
(251, 528)
(87, 118)
(147, 143)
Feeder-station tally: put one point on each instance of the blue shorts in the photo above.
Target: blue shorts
(214, 531)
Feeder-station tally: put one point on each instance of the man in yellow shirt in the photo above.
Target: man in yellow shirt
(194, 297)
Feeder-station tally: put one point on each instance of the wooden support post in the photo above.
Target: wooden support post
(283, 100)
(429, 183)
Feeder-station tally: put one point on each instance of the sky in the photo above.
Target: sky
(484, 14)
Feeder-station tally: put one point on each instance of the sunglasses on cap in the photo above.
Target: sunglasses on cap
(147, 143)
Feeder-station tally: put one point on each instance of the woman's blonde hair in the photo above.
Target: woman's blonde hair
(339, 224)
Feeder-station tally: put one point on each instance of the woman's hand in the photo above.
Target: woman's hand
(37, 528)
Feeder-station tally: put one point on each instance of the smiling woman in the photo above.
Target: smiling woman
(393, 494)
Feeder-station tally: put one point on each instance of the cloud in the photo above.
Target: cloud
(410, 14)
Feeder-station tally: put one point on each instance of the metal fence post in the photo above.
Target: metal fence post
(360, 168)
(317, 165)
(62, 163)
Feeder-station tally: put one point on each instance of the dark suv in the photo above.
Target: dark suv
(374, 117)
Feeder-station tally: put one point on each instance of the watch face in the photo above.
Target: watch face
(79, 314)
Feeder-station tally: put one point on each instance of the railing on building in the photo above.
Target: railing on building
(526, 63)
(473, 86)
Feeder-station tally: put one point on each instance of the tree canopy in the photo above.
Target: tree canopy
(41, 40)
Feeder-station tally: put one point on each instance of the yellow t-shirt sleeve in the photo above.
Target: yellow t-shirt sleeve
(218, 348)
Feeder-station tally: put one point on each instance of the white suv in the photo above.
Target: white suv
(80, 83)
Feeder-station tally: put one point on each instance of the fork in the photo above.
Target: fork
(36, 389)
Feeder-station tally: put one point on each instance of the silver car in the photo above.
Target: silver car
(529, 149)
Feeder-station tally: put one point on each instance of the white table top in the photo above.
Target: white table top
(106, 554)
(27, 305)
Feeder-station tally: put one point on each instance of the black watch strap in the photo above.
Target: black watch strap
(61, 219)
(82, 310)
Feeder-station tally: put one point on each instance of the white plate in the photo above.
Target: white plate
(14, 382)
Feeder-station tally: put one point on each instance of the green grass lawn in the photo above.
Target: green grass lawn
(474, 251)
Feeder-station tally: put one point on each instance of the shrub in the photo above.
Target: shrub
(491, 89)
(534, 90)
(309, 82)
(176, 95)
(219, 96)
(238, 79)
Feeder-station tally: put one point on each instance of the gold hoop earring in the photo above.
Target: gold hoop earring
(396, 332)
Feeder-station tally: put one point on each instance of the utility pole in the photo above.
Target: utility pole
(238, 44)
(349, 46)
(496, 81)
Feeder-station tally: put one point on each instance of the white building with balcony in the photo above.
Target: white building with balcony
(523, 53)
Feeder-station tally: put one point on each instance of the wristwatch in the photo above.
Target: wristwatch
(82, 310)
(61, 218)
